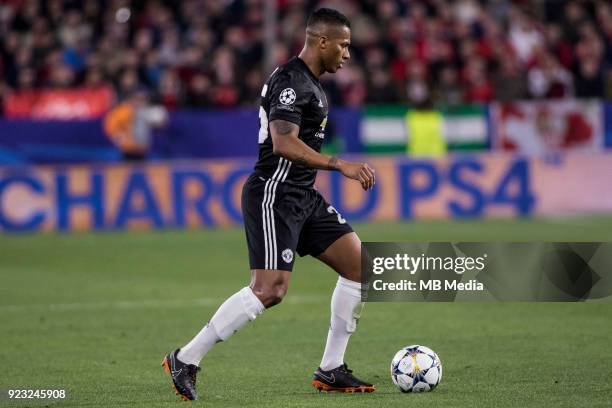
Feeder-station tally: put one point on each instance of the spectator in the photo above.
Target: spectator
(448, 91)
(380, 88)
(548, 78)
(128, 83)
(417, 86)
(94, 78)
(509, 82)
(604, 22)
(352, 85)
(479, 88)
(589, 79)
(558, 45)
(574, 16)
(207, 53)
(129, 125)
(251, 89)
(61, 76)
(199, 92)
(169, 91)
(524, 36)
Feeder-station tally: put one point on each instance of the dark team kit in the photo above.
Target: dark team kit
(283, 212)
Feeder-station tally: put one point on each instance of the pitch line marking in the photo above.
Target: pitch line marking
(143, 304)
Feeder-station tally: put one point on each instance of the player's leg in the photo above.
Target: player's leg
(271, 238)
(267, 234)
(183, 364)
(267, 289)
(343, 256)
(329, 238)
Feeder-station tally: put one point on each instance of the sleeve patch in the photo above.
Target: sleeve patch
(287, 96)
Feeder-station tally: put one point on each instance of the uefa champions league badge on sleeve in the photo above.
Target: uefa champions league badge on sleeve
(287, 96)
(477, 271)
(287, 99)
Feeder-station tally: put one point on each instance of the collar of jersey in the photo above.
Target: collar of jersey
(301, 62)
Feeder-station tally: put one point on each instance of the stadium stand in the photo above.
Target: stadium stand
(205, 54)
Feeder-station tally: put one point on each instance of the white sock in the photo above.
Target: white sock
(239, 309)
(346, 309)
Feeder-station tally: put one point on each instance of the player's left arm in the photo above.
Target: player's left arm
(286, 143)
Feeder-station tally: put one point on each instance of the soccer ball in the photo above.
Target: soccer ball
(416, 369)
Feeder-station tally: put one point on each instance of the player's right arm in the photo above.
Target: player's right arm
(286, 143)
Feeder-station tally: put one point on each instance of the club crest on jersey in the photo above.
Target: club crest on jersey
(287, 96)
(287, 255)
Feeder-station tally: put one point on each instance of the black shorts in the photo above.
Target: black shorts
(280, 219)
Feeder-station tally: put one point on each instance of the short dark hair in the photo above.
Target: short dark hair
(328, 16)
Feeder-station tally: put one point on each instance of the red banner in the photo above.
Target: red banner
(82, 103)
(540, 127)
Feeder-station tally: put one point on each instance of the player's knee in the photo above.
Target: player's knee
(352, 274)
(277, 295)
(271, 295)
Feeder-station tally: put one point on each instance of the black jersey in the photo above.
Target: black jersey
(294, 94)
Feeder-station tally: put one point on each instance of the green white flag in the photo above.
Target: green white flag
(384, 130)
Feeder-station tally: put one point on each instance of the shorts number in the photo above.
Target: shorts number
(332, 210)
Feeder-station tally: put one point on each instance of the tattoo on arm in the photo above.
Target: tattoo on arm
(332, 163)
(283, 127)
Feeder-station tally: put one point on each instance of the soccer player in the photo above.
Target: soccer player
(284, 213)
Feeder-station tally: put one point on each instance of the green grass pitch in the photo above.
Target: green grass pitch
(95, 313)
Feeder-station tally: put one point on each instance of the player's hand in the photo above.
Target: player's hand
(361, 172)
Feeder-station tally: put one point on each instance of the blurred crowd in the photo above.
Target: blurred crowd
(197, 53)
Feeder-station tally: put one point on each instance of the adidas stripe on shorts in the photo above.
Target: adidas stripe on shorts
(281, 219)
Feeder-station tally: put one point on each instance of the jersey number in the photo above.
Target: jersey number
(332, 210)
(263, 117)
(263, 125)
